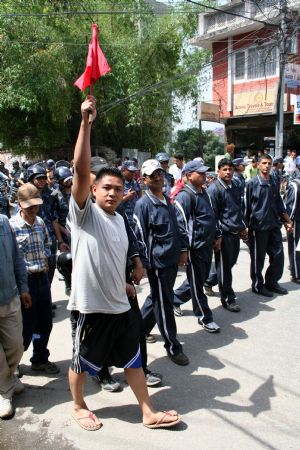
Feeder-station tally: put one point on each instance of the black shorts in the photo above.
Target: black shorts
(105, 340)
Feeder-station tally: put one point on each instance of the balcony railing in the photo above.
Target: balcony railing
(264, 10)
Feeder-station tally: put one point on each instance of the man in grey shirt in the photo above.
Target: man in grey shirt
(107, 330)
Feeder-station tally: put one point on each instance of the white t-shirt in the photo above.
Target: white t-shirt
(176, 172)
(99, 253)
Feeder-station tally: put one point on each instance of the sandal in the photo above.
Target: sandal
(161, 424)
(91, 416)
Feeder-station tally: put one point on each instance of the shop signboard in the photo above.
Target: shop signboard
(208, 112)
(297, 110)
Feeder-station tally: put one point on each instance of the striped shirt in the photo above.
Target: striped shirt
(34, 242)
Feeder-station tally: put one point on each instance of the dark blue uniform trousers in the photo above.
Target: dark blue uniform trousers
(225, 260)
(197, 273)
(294, 256)
(158, 307)
(261, 243)
(37, 320)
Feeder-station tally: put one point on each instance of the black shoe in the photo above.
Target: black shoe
(209, 291)
(262, 291)
(177, 311)
(53, 306)
(295, 280)
(277, 289)
(232, 307)
(181, 359)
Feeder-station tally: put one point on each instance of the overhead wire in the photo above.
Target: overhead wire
(158, 85)
(230, 13)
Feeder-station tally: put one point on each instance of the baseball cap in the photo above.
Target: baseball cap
(278, 159)
(195, 166)
(129, 165)
(97, 163)
(29, 195)
(198, 158)
(161, 157)
(150, 166)
(239, 161)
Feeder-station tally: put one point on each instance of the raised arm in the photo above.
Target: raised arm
(82, 153)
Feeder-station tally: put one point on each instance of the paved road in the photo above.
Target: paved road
(241, 390)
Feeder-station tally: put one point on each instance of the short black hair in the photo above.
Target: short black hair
(178, 156)
(225, 162)
(265, 156)
(110, 170)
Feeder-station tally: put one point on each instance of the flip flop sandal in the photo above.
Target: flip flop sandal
(161, 424)
(90, 416)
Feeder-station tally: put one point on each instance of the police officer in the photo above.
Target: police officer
(265, 212)
(225, 194)
(276, 171)
(293, 210)
(132, 190)
(163, 159)
(37, 176)
(4, 183)
(165, 247)
(239, 168)
(196, 218)
(63, 176)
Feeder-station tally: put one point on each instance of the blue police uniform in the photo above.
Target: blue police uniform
(128, 206)
(47, 211)
(241, 183)
(226, 200)
(293, 210)
(264, 206)
(196, 219)
(158, 232)
(62, 200)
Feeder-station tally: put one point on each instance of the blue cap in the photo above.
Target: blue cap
(162, 157)
(278, 159)
(129, 165)
(239, 161)
(195, 166)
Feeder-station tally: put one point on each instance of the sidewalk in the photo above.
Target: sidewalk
(240, 391)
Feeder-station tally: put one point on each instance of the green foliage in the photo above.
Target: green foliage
(41, 57)
(193, 143)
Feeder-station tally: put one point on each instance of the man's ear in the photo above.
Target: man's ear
(93, 189)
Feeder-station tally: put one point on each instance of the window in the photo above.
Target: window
(256, 62)
(240, 65)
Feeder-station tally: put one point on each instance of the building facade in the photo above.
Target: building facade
(246, 69)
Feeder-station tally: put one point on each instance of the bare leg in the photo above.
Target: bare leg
(137, 382)
(81, 413)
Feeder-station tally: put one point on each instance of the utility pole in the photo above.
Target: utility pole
(280, 93)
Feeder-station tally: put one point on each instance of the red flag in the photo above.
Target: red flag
(96, 64)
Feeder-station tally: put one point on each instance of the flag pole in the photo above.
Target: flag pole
(91, 93)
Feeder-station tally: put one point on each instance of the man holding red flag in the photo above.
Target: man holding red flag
(107, 331)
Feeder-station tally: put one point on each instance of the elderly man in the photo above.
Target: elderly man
(13, 285)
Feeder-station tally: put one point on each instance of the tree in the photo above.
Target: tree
(190, 141)
(41, 57)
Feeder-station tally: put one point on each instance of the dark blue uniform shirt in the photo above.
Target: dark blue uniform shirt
(264, 205)
(158, 232)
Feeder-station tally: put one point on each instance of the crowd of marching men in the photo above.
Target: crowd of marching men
(179, 215)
